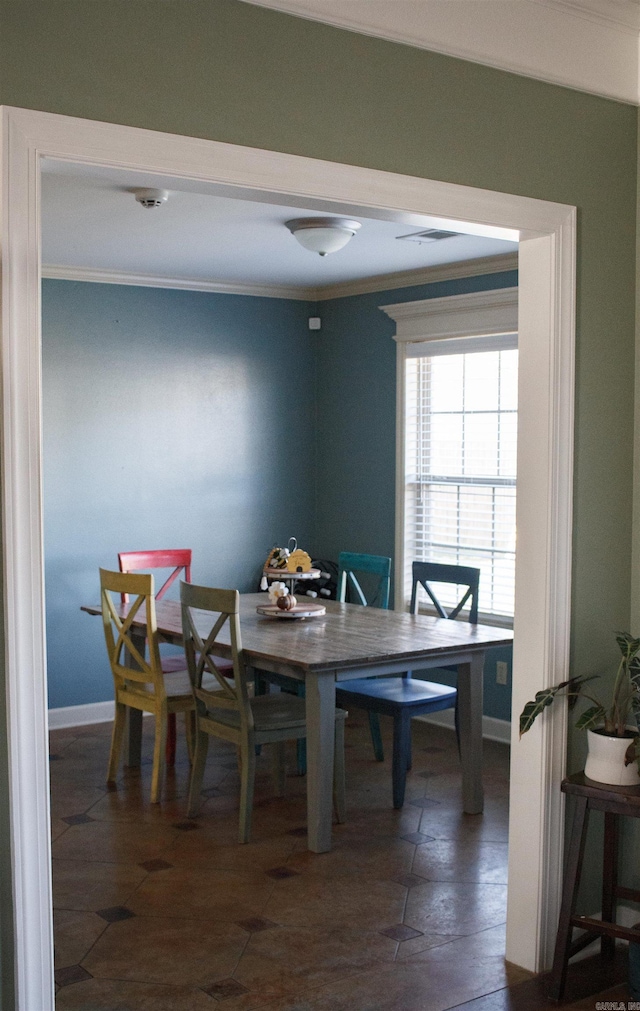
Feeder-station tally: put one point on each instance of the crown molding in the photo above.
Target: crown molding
(427, 275)
(623, 14)
(101, 276)
(587, 45)
(477, 313)
(382, 282)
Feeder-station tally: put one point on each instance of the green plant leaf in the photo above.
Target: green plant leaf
(545, 697)
(591, 717)
(629, 646)
(632, 754)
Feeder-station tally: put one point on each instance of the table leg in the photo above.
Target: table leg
(320, 709)
(470, 722)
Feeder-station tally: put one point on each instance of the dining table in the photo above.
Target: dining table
(348, 641)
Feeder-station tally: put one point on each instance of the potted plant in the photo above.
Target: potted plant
(612, 730)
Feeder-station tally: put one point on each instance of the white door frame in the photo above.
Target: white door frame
(543, 567)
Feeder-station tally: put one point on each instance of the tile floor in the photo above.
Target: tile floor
(156, 911)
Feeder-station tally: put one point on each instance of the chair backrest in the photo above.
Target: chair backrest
(127, 662)
(200, 633)
(425, 573)
(178, 559)
(349, 564)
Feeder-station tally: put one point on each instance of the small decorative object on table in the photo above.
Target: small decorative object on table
(284, 605)
(612, 731)
(290, 564)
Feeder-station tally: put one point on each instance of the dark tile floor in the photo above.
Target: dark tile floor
(156, 912)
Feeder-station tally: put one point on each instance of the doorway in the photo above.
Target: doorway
(547, 284)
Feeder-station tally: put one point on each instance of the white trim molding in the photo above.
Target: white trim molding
(547, 233)
(493, 729)
(383, 282)
(479, 267)
(479, 313)
(97, 275)
(590, 45)
(81, 716)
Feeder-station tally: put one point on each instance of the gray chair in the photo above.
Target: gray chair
(228, 712)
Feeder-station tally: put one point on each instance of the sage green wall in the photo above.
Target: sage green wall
(229, 71)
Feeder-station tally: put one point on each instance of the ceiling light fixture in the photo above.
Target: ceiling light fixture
(150, 197)
(323, 235)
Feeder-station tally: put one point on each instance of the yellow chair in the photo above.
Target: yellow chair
(140, 682)
(230, 713)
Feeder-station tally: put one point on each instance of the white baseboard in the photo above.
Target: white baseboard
(81, 716)
(492, 728)
(102, 712)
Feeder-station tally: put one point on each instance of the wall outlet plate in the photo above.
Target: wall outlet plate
(314, 322)
(502, 672)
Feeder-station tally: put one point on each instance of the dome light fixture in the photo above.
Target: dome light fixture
(323, 235)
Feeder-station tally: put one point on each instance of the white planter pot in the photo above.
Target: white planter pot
(605, 761)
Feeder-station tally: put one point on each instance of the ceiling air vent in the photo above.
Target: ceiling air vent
(428, 235)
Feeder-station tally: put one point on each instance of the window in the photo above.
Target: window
(456, 445)
(460, 464)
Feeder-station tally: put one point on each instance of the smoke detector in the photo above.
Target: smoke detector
(151, 197)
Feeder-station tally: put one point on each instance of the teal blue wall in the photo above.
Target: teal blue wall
(356, 409)
(165, 426)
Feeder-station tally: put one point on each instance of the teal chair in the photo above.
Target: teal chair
(376, 569)
(402, 697)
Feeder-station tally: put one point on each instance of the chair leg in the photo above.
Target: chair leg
(197, 771)
(409, 749)
(171, 739)
(117, 737)
(190, 731)
(247, 778)
(401, 743)
(279, 768)
(301, 743)
(376, 736)
(159, 746)
(301, 756)
(339, 786)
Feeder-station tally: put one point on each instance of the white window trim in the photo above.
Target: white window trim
(482, 313)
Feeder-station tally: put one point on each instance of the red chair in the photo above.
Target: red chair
(178, 559)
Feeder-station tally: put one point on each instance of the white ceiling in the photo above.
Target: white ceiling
(592, 45)
(92, 222)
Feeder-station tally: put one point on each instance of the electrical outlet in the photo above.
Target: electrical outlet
(501, 672)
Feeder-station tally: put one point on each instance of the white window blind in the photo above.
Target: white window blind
(460, 462)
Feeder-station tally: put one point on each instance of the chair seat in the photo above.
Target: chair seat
(173, 663)
(177, 685)
(280, 710)
(400, 692)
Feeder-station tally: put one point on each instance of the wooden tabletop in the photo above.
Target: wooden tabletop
(348, 636)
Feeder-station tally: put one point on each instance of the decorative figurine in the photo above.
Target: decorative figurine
(286, 603)
(277, 591)
(299, 561)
